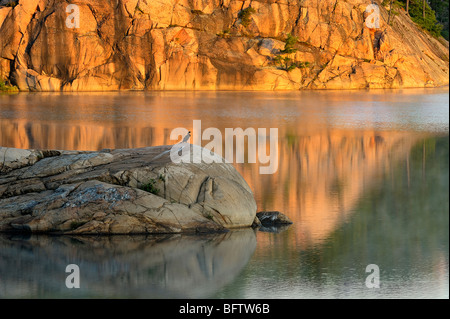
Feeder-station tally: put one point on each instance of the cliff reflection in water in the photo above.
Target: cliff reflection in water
(363, 176)
(322, 172)
(400, 223)
(123, 266)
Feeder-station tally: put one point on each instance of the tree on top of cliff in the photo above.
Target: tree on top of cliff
(423, 14)
(441, 8)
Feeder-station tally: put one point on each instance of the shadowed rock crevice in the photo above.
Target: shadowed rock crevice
(103, 193)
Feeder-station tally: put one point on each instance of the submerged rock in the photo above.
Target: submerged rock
(119, 192)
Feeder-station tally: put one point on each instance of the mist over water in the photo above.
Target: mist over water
(363, 175)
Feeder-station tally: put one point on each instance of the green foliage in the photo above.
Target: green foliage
(208, 215)
(441, 8)
(283, 61)
(150, 187)
(224, 34)
(303, 65)
(287, 64)
(291, 41)
(245, 16)
(7, 88)
(430, 22)
(395, 4)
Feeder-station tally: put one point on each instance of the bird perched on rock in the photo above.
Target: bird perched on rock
(181, 146)
(187, 137)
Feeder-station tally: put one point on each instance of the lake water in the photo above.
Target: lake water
(364, 175)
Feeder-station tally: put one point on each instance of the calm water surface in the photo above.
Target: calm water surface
(364, 176)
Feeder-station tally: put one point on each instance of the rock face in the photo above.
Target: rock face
(213, 45)
(119, 192)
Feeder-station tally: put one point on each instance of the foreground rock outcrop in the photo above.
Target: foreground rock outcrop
(213, 45)
(119, 192)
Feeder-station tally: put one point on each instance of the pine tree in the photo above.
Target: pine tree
(431, 15)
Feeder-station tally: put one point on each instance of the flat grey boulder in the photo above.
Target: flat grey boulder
(119, 192)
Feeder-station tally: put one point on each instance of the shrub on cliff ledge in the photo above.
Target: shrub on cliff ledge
(7, 88)
(150, 187)
(287, 64)
(245, 16)
(291, 41)
(284, 60)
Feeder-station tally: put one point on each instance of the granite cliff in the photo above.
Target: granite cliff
(213, 45)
